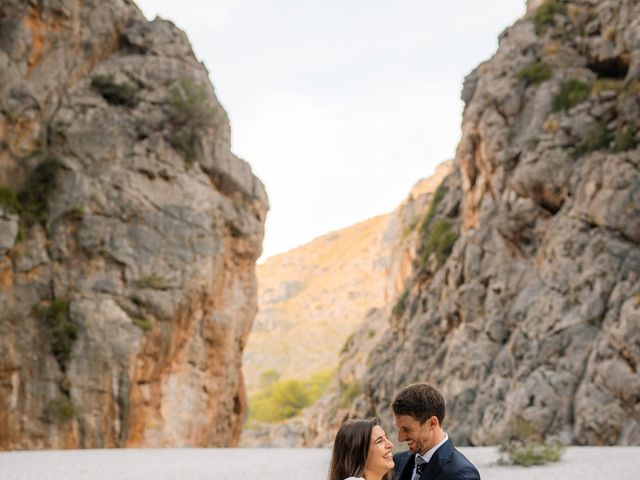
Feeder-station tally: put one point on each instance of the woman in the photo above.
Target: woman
(361, 450)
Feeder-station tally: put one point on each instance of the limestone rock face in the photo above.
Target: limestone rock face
(128, 235)
(523, 304)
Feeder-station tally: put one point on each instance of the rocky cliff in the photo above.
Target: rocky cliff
(128, 235)
(523, 304)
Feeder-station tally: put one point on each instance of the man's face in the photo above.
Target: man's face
(419, 436)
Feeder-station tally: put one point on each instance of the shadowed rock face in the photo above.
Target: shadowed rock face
(128, 235)
(530, 320)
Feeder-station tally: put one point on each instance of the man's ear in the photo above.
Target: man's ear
(433, 421)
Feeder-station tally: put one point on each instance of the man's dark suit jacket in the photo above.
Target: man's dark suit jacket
(447, 463)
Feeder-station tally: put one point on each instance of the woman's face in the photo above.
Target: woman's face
(380, 458)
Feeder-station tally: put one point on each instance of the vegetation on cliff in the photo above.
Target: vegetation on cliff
(544, 15)
(191, 112)
(63, 332)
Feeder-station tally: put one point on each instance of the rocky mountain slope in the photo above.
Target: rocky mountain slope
(128, 235)
(523, 304)
(311, 298)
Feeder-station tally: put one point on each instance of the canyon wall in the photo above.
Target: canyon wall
(523, 304)
(128, 235)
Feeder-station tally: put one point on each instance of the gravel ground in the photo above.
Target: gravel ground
(578, 463)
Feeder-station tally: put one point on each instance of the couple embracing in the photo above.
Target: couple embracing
(362, 450)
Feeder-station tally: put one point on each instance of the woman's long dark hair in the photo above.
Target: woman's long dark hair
(350, 449)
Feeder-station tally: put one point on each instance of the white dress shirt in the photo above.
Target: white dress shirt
(429, 453)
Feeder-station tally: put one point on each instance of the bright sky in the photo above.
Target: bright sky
(339, 106)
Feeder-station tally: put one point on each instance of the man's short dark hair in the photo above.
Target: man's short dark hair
(420, 401)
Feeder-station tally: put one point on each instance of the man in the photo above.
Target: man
(419, 412)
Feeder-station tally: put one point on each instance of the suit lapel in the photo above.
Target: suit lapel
(440, 458)
(407, 469)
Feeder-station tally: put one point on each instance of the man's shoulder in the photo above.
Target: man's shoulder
(463, 467)
(461, 458)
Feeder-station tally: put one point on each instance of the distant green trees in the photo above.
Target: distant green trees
(282, 399)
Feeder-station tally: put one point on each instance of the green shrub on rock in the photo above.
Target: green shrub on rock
(401, 304)
(31, 202)
(598, 138)
(439, 241)
(543, 16)
(190, 110)
(572, 92)
(61, 409)
(63, 331)
(9, 199)
(144, 324)
(153, 282)
(433, 206)
(347, 343)
(33, 198)
(625, 139)
(190, 104)
(535, 73)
